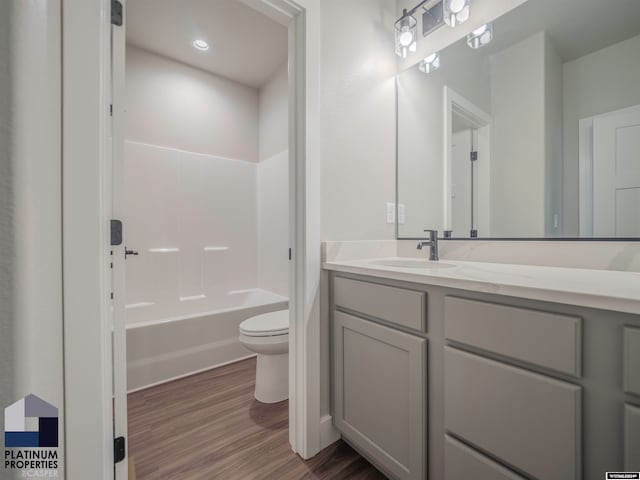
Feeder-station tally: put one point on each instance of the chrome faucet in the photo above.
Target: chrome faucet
(432, 243)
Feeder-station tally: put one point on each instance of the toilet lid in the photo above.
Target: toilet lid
(266, 325)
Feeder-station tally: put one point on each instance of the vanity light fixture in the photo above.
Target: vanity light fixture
(456, 12)
(406, 35)
(436, 13)
(480, 36)
(201, 45)
(430, 64)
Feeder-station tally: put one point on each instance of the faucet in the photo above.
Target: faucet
(432, 243)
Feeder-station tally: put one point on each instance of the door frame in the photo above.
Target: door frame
(86, 206)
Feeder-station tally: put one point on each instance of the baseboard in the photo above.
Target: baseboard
(328, 433)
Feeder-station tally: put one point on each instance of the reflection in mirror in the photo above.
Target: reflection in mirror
(528, 128)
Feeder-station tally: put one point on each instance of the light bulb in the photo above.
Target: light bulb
(456, 5)
(406, 38)
(201, 45)
(480, 30)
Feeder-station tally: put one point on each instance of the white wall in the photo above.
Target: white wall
(273, 185)
(600, 82)
(200, 112)
(358, 68)
(31, 326)
(518, 141)
(6, 229)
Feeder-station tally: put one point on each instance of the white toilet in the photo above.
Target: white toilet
(268, 336)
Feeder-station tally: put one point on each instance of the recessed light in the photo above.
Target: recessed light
(201, 45)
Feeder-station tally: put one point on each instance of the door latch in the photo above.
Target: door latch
(130, 252)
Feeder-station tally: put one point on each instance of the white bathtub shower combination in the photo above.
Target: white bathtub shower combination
(193, 219)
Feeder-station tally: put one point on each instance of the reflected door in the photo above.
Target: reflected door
(616, 174)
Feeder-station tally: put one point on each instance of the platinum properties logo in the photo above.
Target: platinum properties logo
(31, 437)
(622, 475)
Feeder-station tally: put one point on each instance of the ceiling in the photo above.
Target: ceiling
(245, 45)
(576, 27)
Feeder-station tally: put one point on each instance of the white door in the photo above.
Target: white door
(461, 187)
(118, 258)
(616, 174)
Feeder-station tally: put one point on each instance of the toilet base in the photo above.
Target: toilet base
(272, 378)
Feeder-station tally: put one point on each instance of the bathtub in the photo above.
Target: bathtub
(205, 337)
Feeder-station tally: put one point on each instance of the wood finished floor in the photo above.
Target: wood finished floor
(209, 426)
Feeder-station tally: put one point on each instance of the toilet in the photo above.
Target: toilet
(268, 336)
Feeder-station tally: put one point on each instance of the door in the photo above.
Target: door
(616, 174)
(118, 252)
(379, 394)
(461, 183)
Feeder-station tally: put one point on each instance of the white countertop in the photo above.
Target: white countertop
(603, 289)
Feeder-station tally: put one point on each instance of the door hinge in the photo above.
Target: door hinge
(111, 109)
(111, 295)
(116, 233)
(289, 254)
(474, 156)
(116, 13)
(119, 449)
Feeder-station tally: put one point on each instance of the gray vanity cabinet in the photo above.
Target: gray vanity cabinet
(379, 393)
(517, 388)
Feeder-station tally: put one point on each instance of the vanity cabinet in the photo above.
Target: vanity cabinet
(379, 378)
(517, 388)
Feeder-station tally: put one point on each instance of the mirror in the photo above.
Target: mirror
(535, 134)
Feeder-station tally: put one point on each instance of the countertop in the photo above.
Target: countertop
(602, 289)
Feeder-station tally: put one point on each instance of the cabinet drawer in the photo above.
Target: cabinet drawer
(396, 305)
(380, 394)
(632, 360)
(462, 462)
(519, 416)
(546, 339)
(631, 438)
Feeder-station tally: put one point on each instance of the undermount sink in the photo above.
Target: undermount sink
(410, 263)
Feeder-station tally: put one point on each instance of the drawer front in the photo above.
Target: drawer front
(396, 305)
(545, 339)
(631, 438)
(519, 416)
(380, 394)
(632, 360)
(462, 462)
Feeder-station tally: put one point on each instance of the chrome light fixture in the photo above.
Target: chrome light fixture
(430, 64)
(480, 36)
(201, 45)
(406, 35)
(456, 12)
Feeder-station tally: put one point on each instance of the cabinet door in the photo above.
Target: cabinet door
(461, 461)
(379, 394)
(529, 421)
(631, 438)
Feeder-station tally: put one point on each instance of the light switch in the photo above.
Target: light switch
(391, 213)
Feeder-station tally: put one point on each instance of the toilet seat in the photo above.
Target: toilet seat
(266, 325)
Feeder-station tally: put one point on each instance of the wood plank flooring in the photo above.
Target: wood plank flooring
(209, 426)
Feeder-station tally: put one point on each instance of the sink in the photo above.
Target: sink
(410, 263)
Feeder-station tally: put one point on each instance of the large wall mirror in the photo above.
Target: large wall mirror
(535, 133)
